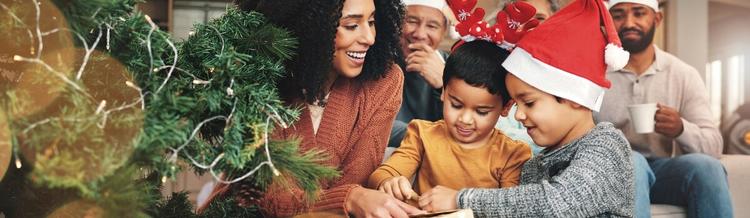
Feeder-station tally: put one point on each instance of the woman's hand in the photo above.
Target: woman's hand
(438, 199)
(363, 202)
(399, 187)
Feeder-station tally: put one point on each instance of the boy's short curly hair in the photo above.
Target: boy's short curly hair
(314, 23)
(479, 64)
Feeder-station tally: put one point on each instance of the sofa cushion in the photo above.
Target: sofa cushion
(667, 211)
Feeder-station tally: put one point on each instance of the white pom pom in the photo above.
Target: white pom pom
(615, 57)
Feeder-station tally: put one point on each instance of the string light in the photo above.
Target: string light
(89, 50)
(148, 42)
(277, 117)
(103, 114)
(101, 106)
(38, 30)
(230, 91)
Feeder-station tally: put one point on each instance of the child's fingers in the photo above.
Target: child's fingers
(387, 188)
(424, 202)
(397, 193)
(405, 187)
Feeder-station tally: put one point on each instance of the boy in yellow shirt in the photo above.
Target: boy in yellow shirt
(464, 149)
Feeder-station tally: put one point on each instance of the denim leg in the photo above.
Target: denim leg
(695, 181)
(397, 134)
(644, 178)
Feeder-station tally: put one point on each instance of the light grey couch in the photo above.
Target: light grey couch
(738, 172)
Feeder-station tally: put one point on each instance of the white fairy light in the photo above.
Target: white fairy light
(51, 32)
(230, 91)
(49, 68)
(101, 106)
(277, 117)
(109, 28)
(38, 30)
(174, 63)
(201, 82)
(89, 50)
(131, 85)
(231, 113)
(195, 131)
(105, 115)
(268, 162)
(268, 153)
(18, 160)
(215, 161)
(148, 41)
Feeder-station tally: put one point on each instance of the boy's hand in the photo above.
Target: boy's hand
(438, 199)
(363, 202)
(398, 187)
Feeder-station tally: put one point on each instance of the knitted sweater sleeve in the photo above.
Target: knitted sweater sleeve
(599, 180)
(383, 100)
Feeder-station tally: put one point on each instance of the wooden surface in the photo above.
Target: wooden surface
(462, 213)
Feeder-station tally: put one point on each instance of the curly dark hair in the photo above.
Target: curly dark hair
(314, 23)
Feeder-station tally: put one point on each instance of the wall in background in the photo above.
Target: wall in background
(189, 13)
(729, 55)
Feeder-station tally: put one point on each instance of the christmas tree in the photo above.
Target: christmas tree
(99, 107)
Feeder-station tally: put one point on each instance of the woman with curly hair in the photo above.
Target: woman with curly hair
(345, 78)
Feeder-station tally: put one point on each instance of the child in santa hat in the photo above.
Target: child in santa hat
(557, 78)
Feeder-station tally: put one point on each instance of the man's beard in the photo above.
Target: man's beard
(637, 46)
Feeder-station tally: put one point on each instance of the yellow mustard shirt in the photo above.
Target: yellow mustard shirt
(430, 151)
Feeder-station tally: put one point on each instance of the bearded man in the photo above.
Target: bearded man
(680, 166)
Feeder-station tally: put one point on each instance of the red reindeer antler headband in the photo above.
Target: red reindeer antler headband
(512, 23)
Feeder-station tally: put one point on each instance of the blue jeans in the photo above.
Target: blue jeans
(697, 182)
(398, 131)
(644, 179)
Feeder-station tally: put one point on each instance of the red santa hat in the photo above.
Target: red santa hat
(569, 54)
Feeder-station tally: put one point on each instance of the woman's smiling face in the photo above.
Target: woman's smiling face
(354, 36)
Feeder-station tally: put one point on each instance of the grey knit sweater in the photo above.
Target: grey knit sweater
(589, 177)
